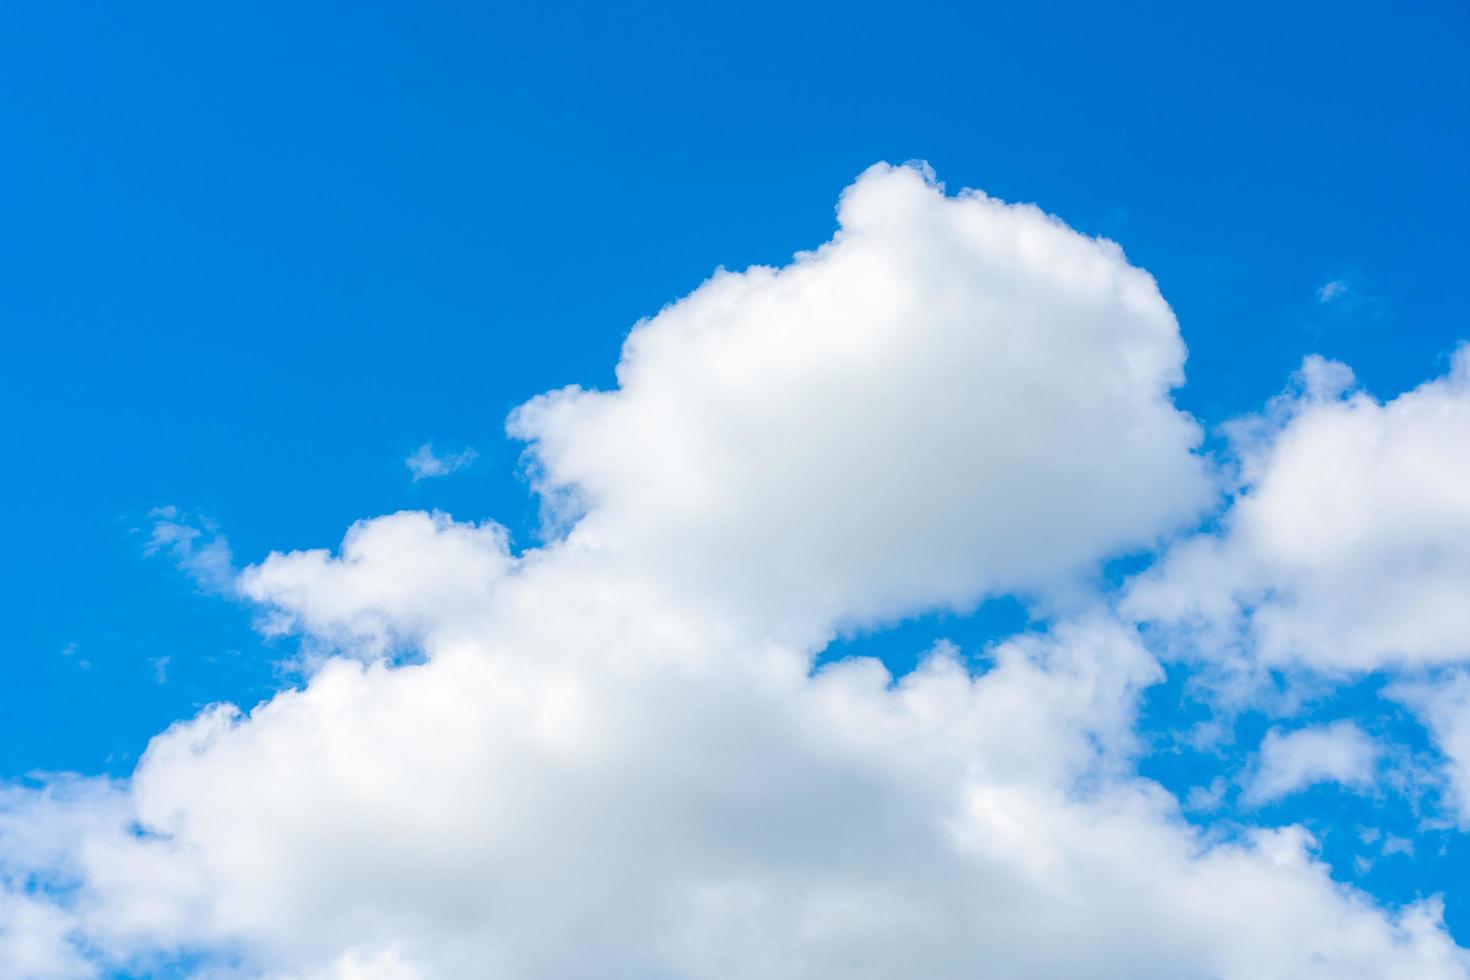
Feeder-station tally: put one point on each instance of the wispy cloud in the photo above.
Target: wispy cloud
(196, 547)
(70, 652)
(1347, 295)
(160, 668)
(424, 463)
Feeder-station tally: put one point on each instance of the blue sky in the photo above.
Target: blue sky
(255, 255)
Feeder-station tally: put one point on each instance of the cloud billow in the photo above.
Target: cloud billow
(906, 417)
(615, 758)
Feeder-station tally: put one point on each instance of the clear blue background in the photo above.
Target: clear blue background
(251, 255)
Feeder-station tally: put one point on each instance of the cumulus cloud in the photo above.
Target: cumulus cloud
(706, 812)
(1344, 550)
(33, 940)
(395, 579)
(1347, 546)
(906, 416)
(1339, 753)
(614, 756)
(425, 464)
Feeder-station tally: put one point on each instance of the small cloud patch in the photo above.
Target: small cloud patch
(424, 463)
(196, 547)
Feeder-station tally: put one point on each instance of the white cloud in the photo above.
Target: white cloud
(1443, 704)
(615, 759)
(1397, 845)
(1330, 291)
(1339, 753)
(70, 652)
(708, 812)
(904, 417)
(1206, 799)
(33, 940)
(1345, 550)
(396, 580)
(424, 463)
(197, 548)
(365, 964)
(1348, 546)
